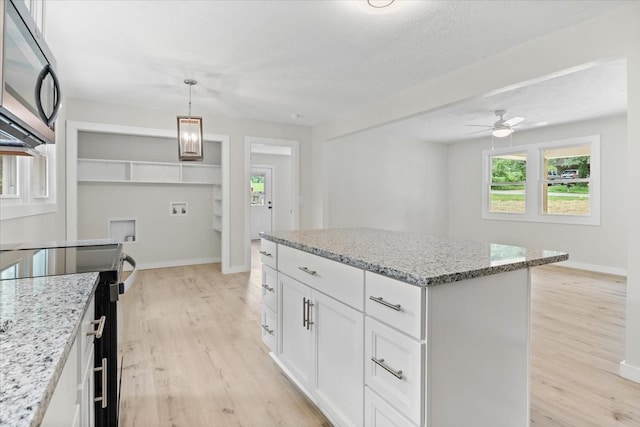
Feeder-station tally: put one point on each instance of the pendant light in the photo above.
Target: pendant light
(190, 133)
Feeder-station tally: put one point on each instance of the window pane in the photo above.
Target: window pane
(566, 188)
(8, 175)
(257, 190)
(39, 176)
(508, 179)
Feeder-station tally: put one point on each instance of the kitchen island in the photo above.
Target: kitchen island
(401, 329)
(40, 319)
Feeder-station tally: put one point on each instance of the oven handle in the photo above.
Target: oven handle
(124, 286)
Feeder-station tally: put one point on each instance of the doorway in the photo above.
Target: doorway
(261, 193)
(282, 156)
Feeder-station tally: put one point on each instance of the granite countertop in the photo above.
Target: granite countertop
(418, 259)
(39, 319)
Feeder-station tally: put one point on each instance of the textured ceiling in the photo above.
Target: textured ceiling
(273, 60)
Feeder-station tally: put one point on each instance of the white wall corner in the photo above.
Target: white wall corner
(629, 372)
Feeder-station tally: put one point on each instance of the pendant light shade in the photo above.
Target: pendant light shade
(190, 133)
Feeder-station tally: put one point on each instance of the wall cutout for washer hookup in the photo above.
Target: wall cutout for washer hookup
(177, 208)
(123, 230)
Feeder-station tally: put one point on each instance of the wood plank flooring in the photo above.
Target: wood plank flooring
(193, 356)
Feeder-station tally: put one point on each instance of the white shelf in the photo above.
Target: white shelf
(102, 170)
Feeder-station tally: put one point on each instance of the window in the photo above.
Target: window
(27, 186)
(554, 181)
(257, 190)
(8, 176)
(508, 183)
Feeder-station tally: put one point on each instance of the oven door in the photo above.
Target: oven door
(30, 88)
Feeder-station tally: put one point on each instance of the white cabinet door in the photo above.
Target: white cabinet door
(296, 334)
(339, 349)
(378, 413)
(86, 393)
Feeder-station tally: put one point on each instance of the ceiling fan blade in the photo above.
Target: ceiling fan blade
(479, 131)
(483, 126)
(513, 121)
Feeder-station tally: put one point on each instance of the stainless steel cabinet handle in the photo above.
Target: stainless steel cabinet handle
(306, 270)
(309, 322)
(265, 253)
(267, 287)
(266, 328)
(379, 300)
(380, 362)
(304, 312)
(102, 369)
(98, 332)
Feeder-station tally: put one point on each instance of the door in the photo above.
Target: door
(339, 349)
(296, 333)
(261, 201)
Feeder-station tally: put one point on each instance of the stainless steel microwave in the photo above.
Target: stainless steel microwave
(30, 95)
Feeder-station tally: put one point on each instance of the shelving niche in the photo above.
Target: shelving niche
(102, 170)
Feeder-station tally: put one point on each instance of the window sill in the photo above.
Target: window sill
(547, 218)
(19, 211)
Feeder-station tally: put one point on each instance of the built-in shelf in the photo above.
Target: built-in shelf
(102, 170)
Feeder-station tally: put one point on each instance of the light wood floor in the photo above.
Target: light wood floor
(193, 355)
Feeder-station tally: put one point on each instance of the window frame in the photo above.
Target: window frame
(26, 202)
(534, 182)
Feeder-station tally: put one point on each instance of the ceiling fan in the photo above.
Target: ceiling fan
(502, 127)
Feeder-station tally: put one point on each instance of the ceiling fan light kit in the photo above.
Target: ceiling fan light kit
(502, 131)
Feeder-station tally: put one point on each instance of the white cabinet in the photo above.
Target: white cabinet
(378, 413)
(72, 402)
(338, 359)
(321, 338)
(270, 292)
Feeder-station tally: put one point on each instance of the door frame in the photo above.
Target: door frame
(295, 185)
(272, 171)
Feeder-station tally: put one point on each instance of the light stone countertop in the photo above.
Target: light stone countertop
(39, 320)
(418, 259)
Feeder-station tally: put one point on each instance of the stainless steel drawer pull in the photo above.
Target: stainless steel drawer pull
(100, 322)
(265, 253)
(379, 300)
(266, 328)
(267, 287)
(102, 369)
(380, 362)
(306, 270)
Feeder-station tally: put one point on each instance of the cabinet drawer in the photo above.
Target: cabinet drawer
(378, 413)
(340, 281)
(85, 340)
(270, 288)
(398, 304)
(394, 368)
(270, 329)
(268, 253)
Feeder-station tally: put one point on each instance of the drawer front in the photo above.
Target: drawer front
(270, 288)
(378, 413)
(270, 329)
(395, 303)
(340, 281)
(86, 328)
(394, 368)
(268, 253)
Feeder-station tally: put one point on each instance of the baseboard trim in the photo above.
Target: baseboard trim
(629, 372)
(237, 269)
(594, 267)
(173, 263)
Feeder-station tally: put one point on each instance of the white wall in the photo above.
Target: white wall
(384, 182)
(82, 110)
(602, 247)
(282, 193)
(162, 239)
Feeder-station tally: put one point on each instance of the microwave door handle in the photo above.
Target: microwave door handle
(56, 90)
